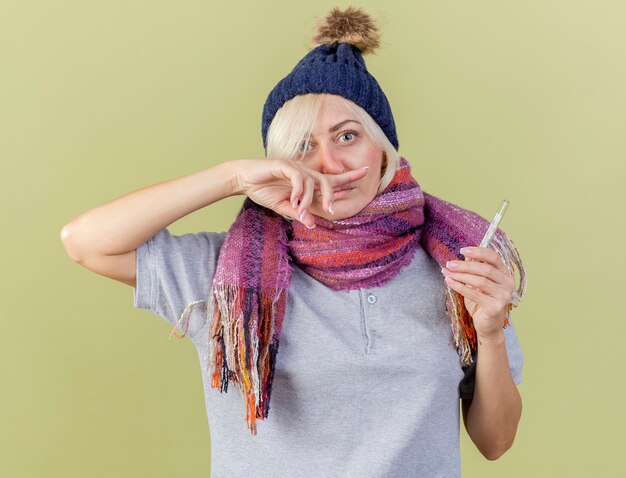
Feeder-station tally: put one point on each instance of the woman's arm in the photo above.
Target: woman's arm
(492, 416)
(123, 224)
(486, 285)
(104, 239)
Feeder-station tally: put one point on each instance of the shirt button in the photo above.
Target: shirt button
(371, 299)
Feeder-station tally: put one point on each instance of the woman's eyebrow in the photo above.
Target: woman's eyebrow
(339, 125)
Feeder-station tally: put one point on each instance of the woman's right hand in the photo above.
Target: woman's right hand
(288, 187)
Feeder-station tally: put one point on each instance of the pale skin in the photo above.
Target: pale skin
(337, 176)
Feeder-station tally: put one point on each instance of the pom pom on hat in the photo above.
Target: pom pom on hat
(353, 26)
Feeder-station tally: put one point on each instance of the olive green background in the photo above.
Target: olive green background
(493, 99)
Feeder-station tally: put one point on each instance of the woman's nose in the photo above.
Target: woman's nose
(330, 160)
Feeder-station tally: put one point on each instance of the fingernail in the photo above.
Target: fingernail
(464, 250)
(302, 215)
(451, 265)
(365, 167)
(295, 204)
(311, 227)
(330, 208)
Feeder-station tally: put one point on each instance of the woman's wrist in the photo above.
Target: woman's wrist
(233, 170)
(493, 339)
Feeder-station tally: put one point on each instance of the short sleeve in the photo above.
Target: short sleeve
(516, 361)
(174, 271)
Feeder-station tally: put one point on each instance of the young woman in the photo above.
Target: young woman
(386, 311)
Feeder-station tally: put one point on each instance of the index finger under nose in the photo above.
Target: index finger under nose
(347, 177)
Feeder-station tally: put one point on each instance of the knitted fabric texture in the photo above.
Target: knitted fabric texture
(338, 69)
(246, 303)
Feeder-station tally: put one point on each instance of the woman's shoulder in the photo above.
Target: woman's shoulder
(175, 270)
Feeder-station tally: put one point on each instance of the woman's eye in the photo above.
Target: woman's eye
(304, 147)
(348, 136)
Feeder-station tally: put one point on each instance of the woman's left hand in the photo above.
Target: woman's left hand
(486, 286)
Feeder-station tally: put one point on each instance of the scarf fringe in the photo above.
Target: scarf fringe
(462, 323)
(243, 348)
(188, 310)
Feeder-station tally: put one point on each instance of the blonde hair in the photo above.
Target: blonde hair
(293, 123)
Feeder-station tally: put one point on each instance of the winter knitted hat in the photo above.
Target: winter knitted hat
(336, 66)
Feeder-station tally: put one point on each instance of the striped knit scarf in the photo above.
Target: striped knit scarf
(249, 290)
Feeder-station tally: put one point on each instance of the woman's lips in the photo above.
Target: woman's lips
(341, 193)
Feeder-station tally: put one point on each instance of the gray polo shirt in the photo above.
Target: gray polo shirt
(366, 381)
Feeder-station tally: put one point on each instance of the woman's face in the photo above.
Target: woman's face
(339, 143)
